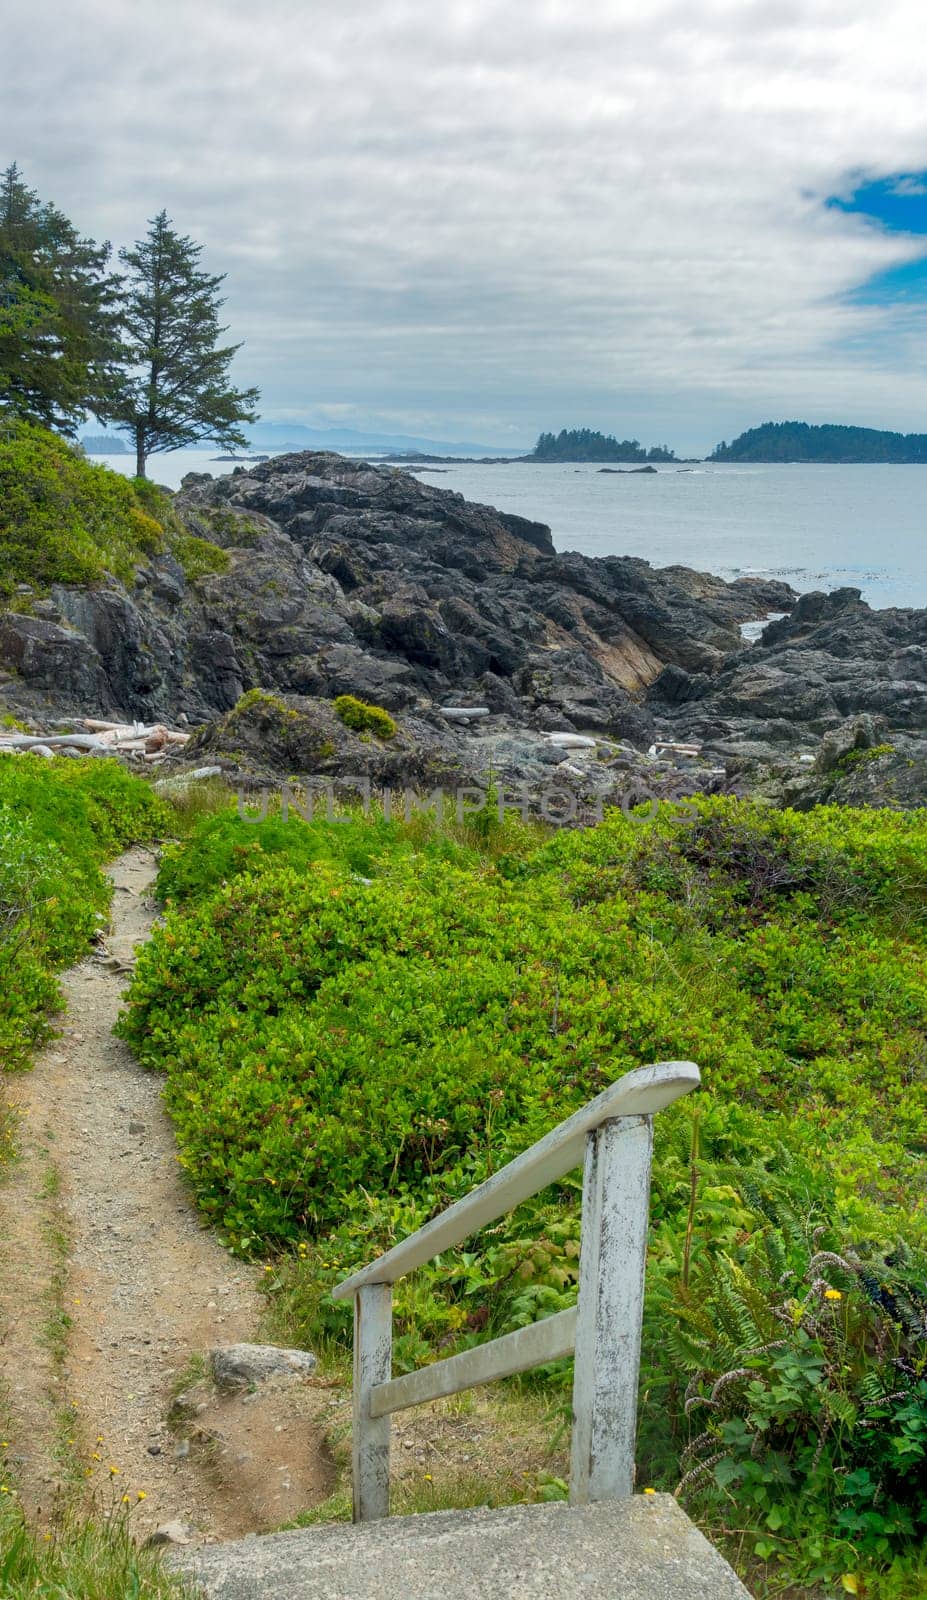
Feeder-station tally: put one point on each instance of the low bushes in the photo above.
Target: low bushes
(364, 718)
(59, 821)
(64, 519)
(344, 1057)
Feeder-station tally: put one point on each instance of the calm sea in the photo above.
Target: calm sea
(818, 527)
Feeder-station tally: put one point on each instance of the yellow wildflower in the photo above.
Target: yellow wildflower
(832, 1294)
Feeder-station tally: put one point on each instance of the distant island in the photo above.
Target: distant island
(828, 441)
(104, 444)
(582, 444)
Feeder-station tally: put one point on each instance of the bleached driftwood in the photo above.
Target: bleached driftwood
(77, 741)
(151, 741)
(464, 713)
(673, 747)
(126, 734)
(571, 741)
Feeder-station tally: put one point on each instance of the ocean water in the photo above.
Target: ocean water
(817, 527)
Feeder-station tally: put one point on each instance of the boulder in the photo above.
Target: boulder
(242, 1366)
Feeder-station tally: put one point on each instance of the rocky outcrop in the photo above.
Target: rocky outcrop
(829, 704)
(830, 659)
(349, 579)
(346, 578)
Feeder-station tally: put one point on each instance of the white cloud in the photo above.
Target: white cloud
(490, 214)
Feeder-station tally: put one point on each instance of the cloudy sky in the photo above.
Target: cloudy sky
(475, 219)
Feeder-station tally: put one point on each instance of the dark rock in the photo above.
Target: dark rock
(860, 733)
(347, 578)
(675, 686)
(797, 717)
(51, 658)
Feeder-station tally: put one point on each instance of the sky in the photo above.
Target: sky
(477, 219)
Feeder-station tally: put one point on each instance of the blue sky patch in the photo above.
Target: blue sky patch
(899, 205)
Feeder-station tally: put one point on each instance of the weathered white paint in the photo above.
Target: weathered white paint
(639, 1093)
(529, 1347)
(373, 1356)
(613, 1135)
(613, 1253)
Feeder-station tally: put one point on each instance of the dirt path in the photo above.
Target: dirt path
(109, 1286)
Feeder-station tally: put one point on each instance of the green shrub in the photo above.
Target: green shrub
(59, 821)
(364, 718)
(346, 1057)
(261, 698)
(198, 557)
(64, 519)
(791, 1361)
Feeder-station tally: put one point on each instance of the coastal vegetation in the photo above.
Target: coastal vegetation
(359, 1020)
(138, 348)
(59, 822)
(830, 441)
(583, 444)
(174, 385)
(66, 520)
(363, 717)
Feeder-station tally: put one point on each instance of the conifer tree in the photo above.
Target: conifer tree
(59, 323)
(175, 386)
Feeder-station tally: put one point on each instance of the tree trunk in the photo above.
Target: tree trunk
(140, 453)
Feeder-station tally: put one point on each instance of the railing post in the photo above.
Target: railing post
(373, 1352)
(613, 1251)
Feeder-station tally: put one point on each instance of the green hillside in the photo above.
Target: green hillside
(357, 1023)
(829, 441)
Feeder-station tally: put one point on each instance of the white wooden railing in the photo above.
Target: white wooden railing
(613, 1137)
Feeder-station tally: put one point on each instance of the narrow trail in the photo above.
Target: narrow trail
(109, 1286)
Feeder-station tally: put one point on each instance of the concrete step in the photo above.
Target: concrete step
(644, 1548)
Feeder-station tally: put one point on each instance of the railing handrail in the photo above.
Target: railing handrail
(642, 1092)
(613, 1137)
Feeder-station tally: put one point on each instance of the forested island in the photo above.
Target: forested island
(827, 441)
(102, 444)
(583, 444)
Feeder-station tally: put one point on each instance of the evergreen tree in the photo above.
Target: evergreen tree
(59, 324)
(175, 386)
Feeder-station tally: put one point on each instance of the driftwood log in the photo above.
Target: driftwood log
(103, 738)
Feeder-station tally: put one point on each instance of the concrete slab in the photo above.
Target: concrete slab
(643, 1548)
